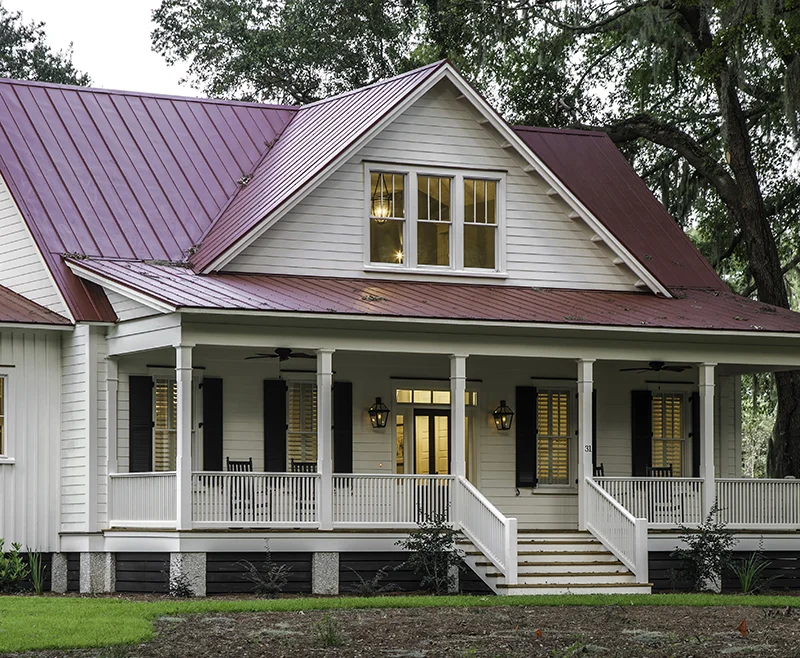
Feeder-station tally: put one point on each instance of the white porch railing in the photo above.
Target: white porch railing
(254, 499)
(142, 500)
(664, 502)
(759, 504)
(494, 534)
(618, 530)
(390, 500)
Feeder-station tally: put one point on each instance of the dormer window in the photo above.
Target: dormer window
(434, 221)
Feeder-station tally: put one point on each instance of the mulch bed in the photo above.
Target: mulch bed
(496, 632)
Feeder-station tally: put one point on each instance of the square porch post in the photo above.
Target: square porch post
(707, 435)
(325, 437)
(458, 412)
(183, 458)
(585, 462)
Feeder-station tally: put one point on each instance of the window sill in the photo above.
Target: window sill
(7, 460)
(474, 274)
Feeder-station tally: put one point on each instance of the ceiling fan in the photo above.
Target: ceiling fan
(656, 366)
(282, 353)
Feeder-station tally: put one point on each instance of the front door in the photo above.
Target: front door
(432, 442)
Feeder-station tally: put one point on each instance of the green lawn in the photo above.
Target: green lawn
(33, 623)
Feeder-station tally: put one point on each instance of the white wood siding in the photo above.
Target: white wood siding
(22, 268)
(29, 487)
(126, 308)
(323, 235)
(74, 427)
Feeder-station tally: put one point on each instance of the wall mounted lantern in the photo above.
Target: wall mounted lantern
(503, 416)
(378, 414)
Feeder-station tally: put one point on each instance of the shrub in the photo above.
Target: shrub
(434, 555)
(751, 571)
(13, 570)
(373, 586)
(707, 552)
(179, 586)
(37, 570)
(268, 581)
(328, 632)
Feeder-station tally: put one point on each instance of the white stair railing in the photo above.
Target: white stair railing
(494, 534)
(617, 529)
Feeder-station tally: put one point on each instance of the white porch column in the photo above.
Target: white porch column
(183, 461)
(707, 435)
(325, 437)
(112, 391)
(458, 412)
(585, 470)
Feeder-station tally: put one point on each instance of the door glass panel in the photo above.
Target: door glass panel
(440, 426)
(400, 450)
(422, 444)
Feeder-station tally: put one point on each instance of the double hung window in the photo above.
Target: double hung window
(553, 437)
(302, 431)
(668, 434)
(434, 221)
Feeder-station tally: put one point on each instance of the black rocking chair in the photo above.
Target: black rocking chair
(241, 490)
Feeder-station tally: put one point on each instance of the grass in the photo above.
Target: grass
(35, 623)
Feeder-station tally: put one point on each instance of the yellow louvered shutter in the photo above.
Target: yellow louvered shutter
(668, 431)
(553, 440)
(302, 434)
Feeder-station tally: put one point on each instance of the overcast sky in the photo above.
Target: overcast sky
(111, 41)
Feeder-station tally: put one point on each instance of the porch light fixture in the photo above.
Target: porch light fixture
(381, 200)
(503, 416)
(378, 414)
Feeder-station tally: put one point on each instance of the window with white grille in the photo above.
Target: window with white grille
(553, 437)
(668, 434)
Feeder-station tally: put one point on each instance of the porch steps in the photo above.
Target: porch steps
(558, 562)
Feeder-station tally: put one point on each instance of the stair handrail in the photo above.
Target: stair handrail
(627, 540)
(494, 535)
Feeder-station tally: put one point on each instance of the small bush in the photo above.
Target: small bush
(750, 571)
(434, 555)
(179, 586)
(708, 552)
(13, 570)
(268, 581)
(373, 586)
(329, 634)
(37, 571)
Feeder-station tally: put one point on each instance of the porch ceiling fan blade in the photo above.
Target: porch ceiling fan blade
(301, 355)
(675, 368)
(639, 369)
(261, 356)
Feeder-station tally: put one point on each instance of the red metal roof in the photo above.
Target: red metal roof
(691, 308)
(319, 134)
(17, 309)
(594, 170)
(118, 174)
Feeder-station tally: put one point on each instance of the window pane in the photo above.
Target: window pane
(403, 395)
(433, 198)
(441, 397)
(422, 397)
(386, 241)
(480, 201)
(166, 425)
(302, 433)
(433, 243)
(387, 197)
(2, 415)
(400, 449)
(479, 246)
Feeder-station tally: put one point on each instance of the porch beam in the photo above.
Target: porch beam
(325, 437)
(585, 470)
(707, 434)
(183, 460)
(458, 411)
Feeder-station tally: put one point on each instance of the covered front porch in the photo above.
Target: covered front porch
(437, 384)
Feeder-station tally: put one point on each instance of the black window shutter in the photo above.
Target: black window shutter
(140, 437)
(641, 431)
(695, 435)
(342, 427)
(212, 424)
(275, 426)
(594, 429)
(525, 417)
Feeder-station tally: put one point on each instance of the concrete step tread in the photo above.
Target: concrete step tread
(571, 585)
(603, 552)
(563, 574)
(565, 563)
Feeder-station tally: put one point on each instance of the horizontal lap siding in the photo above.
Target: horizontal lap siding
(29, 487)
(22, 268)
(224, 572)
(142, 572)
(324, 233)
(127, 309)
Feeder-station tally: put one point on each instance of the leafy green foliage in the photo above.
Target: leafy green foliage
(434, 554)
(707, 552)
(329, 634)
(13, 570)
(25, 55)
(751, 572)
(37, 569)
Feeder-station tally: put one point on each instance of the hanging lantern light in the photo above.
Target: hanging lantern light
(503, 416)
(381, 201)
(378, 414)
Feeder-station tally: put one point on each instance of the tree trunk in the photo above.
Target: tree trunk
(783, 455)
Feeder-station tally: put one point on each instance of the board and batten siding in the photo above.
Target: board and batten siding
(324, 234)
(29, 486)
(22, 268)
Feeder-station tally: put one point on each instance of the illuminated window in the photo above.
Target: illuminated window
(400, 444)
(553, 437)
(668, 432)
(387, 217)
(428, 396)
(433, 223)
(2, 415)
(480, 223)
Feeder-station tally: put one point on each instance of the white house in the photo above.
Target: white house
(223, 323)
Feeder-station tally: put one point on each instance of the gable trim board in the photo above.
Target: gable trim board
(121, 289)
(443, 70)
